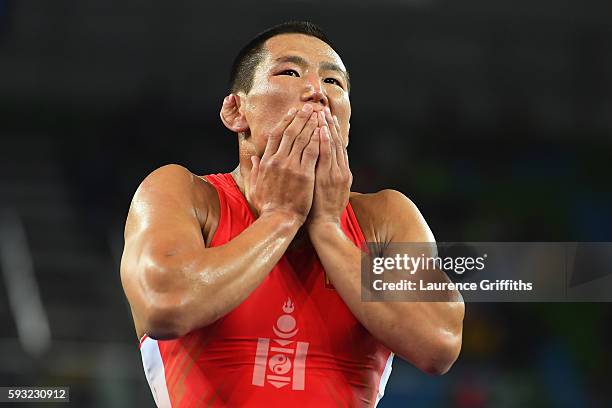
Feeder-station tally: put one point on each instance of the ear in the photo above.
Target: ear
(231, 114)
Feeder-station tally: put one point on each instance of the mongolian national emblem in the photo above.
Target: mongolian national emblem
(281, 360)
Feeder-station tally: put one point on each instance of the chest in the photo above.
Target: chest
(296, 303)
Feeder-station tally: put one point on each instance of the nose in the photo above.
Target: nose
(313, 91)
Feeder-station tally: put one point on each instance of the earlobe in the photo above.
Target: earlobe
(231, 114)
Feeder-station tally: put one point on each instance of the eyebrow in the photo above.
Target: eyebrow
(328, 66)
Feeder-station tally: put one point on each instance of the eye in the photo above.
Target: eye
(333, 81)
(290, 72)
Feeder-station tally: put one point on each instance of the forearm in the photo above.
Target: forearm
(428, 334)
(198, 287)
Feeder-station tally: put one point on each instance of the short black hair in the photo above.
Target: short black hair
(249, 57)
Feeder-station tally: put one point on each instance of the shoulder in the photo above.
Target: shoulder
(172, 178)
(174, 186)
(388, 215)
(383, 204)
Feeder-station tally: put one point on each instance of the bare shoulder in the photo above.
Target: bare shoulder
(171, 179)
(383, 203)
(388, 215)
(173, 187)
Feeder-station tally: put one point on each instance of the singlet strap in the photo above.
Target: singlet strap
(352, 224)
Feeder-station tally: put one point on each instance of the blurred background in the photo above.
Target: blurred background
(494, 117)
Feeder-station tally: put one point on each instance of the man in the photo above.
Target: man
(245, 287)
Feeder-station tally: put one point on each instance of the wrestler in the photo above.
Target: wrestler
(245, 287)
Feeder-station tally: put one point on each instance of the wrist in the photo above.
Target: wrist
(285, 218)
(324, 226)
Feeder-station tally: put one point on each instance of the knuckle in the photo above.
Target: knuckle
(312, 147)
(273, 162)
(311, 152)
(289, 133)
(281, 167)
(302, 176)
(301, 140)
(291, 171)
(308, 177)
(297, 176)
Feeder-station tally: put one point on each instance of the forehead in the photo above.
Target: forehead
(310, 48)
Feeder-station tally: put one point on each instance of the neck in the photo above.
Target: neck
(238, 174)
(241, 173)
(238, 178)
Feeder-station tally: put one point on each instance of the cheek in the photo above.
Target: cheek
(266, 108)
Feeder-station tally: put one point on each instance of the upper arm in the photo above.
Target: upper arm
(397, 222)
(388, 216)
(163, 222)
(402, 219)
(404, 224)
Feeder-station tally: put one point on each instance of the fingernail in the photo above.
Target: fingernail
(291, 111)
(327, 111)
(307, 108)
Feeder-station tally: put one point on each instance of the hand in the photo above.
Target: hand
(333, 176)
(283, 179)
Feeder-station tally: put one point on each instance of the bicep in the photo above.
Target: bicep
(410, 236)
(409, 224)
(402, 226)
(162, 226)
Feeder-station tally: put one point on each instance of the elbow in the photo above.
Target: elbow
(158, 307)
(443, 347)
(167, 321)
(442, 355)
(172, 311)
(163, 302)
(162, 322)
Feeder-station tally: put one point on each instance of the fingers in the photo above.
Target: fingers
(343, 159)
(254, 169)
(275, 138)
(303, 139)
(335, 142)
(294, 129)
(325, 150)
(252, 184)
(311, 151)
